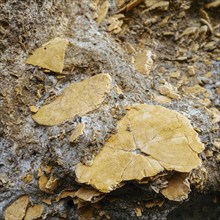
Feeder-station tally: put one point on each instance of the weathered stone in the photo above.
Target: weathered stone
(143, 62)
(47, 185)
(77, 99)
(178, 187)
(78, 131)
(102, 11)
(196, 90)
(169, 91)
(34, 212)
(150, 139)
(17, 209)
(50, 56)
(88, 195)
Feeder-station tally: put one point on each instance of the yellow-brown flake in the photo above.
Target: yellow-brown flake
(78, 131)
(17, 209)
(77, 99)
(150, 139)
(50, 56)
(143, 62)
(34, 212)
(178, 187)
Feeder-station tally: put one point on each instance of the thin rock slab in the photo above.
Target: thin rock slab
(34, 212)
(50, 56)
(89, 195)
(150, 139)
(17, 210)
(78, 131)
(143, 62)
(178, 187)
(102, 11)
(77, 99)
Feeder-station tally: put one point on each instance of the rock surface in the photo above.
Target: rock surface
(105, 37)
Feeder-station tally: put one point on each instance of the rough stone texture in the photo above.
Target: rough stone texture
(24, 145)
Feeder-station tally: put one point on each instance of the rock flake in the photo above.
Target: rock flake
(150, 139)
(34, 212)
(143, 62)
(50, 56)
(178, 187)
(17, 209)
(78, 131)
(77, 99)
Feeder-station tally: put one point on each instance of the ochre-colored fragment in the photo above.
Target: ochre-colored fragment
(34, 212)
(39, 171)
(47, 185)
(51, 184)
(48, 169)
(213, 4)
(149, 140)
(153, 203)
(118, 90)
(102, 11)
(33, 108)
(17, 209)
(115, 23)
(132, 4)
(120, 3)
(175, 75)
(162, 99)
(138, 212)
(42, 183)
(65, 194)
(169, 91)
(214, 113)
(47, 201)
(27, 178)
(178, 188)
(155, 4)
(50, 56)
(143, 62)
(88, 195)
(196, 90)
(78, 131)
(77, 99)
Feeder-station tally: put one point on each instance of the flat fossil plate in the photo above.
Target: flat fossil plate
(150, 139)
(77, 99)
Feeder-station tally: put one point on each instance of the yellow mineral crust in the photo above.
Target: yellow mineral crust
(77, 99)
(50, 56)
(150, 139)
